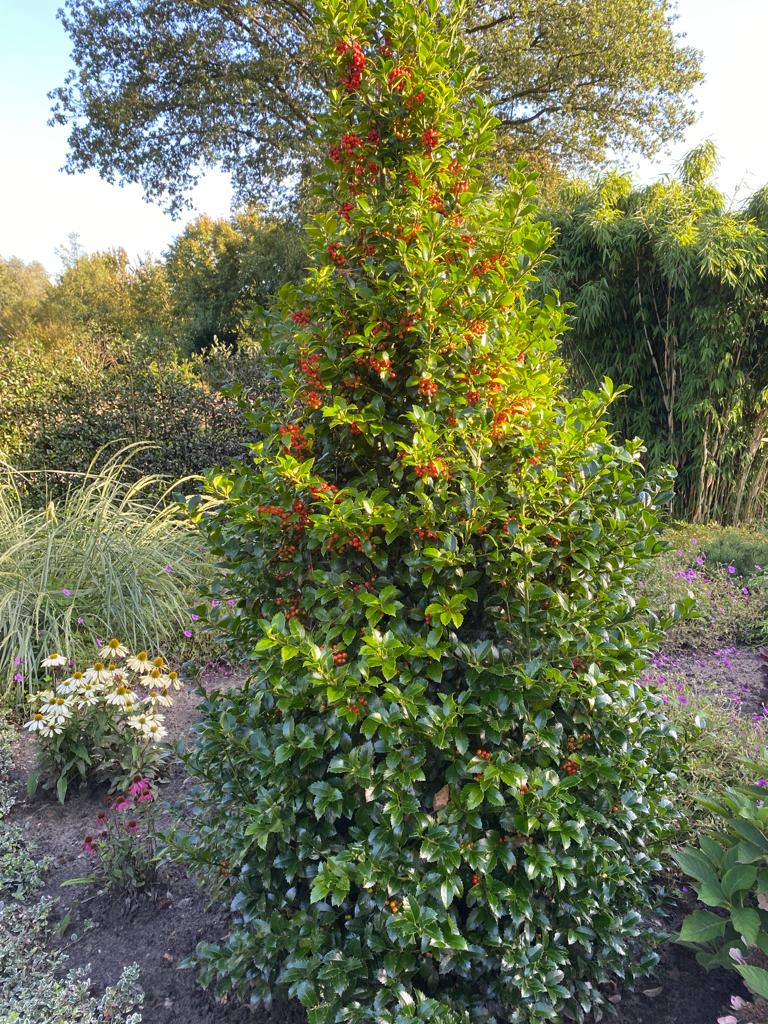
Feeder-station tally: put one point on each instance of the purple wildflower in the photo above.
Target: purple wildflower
(731, 570)
(168, 568)
(66, 592)
(187, 633)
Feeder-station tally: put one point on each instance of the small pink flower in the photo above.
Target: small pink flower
(168, 568)
(215, 603)
(17, 660)
(231, 602)
(66, 592)
(187, 633)
(194, 616)
(89, 845)
(18, 677)
(80, 620)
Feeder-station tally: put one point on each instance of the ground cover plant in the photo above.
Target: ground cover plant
(109, 558)
(442, 788)
(717, 577)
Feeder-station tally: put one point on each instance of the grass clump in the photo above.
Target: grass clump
(114, 556)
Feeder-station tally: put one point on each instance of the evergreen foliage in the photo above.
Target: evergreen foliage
(441, 787)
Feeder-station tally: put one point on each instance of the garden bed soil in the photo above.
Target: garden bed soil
(104, 934)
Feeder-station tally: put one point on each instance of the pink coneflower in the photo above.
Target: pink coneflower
(145, 798)
(122, 804)
(89, 845)
(132, 826)
(139, 786)
(101, 817)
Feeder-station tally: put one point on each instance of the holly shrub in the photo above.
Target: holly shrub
(441, 788)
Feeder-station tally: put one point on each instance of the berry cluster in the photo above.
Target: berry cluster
(368, 584)
(290, 604)
(476, 879)
(354, 76)
(428, 387)
(397, 78)
(393, 905)
(301, 317)
(335, 254)
(484, 754)
(308, 366)
(570, 767)
(423, 534)
(432, 470)
(357, 707)
(294, 439)
(430, 138)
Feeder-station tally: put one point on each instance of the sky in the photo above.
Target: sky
(40, 205)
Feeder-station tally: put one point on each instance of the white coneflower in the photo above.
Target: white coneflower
(114, 649)
(175, 680)
(99, 673)
(54, 660)
(140, 662)
(87, 697)
(57, 707)
(52, 727)
(121, 697)
(36, 722)
(139, 722)
(159, 696)
(42, 696)
(72, 683)
(155, 730)
(158, 679)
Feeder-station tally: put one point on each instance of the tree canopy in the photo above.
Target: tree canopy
(161, 89)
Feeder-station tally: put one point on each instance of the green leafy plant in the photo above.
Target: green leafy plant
(729, 871)
(103, 722)
(442, 779)
(111, 556)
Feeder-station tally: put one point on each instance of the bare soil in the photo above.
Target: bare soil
(104, 934)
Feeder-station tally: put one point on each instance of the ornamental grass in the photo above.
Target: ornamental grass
(114, 556)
